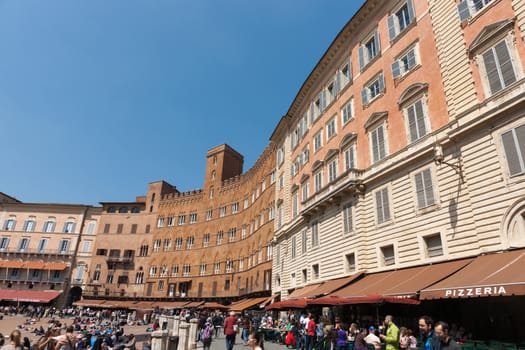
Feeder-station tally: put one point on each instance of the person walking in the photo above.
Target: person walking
(230, 330)
(445, 341)
(426, 330)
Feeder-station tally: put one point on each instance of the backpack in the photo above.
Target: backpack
(206, 334)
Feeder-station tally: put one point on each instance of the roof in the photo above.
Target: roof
(29, 296)
(487, 275)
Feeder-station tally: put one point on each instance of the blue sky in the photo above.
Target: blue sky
(98, 98)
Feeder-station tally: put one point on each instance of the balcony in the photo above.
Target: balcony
(36, 252)
(120, 259)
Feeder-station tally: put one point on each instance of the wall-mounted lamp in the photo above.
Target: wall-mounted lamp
(439, 159)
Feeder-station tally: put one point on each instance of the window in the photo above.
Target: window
(318, 178)
(193, 218)
(514, 145)
(344, 75)
(273, 177)
(315, 233)
(468, 8)
(217, 268)
(42, 245)
(400, 19)
(147, 228)
(63, 246)
(281, 181)
(182, 219)
(304, 242)
(49, 226)
(330, 129)
(295, 204)
(107, 228)
(382, 206)
(4, 243)
(178, 243)
(332, 170)
(317, 107)
(29, 225)
(229, 266)
(424, 189)
(86, 247)
(135, 210)
(153, 271)
(369, 49)
(156, 245)
(220, 236)
(235, 208)
(349, 156)
(133, 228)
(280, 156)
(167, 244)
(315, 271)
(303, 157)
(227, 284)
(91, 228)
(293, 248)
(388, 255)
(120, 227)
(233, 233)
(304, 275)
(280, 213)
(209, 214)
(347, 218)
(139, 277)
(416, 121)
(189, 242)
(373, 89)
(203, 269)
(114, 210)
(318, 141)
(143, 250)
(498, 67)
(347, 112)
(160, 222)
(23, 244)
(206, 240)
(174, 270)
(433, 245)
(378, 143)
(350, 262)
(9, 224)
(304, 188)
(271, 213)
(405, 63)
(186, 269)
(171, 221)
(212, 191)
(222, 212)
(241, 265)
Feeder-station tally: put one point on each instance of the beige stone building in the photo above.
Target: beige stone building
(405, 149)
(38, 249)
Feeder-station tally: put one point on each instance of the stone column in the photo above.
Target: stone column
(184, 328)
(159, 340)
(176, 325)
(169, 319)
(192, 336)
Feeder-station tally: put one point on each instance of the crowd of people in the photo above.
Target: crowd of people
(308, 332)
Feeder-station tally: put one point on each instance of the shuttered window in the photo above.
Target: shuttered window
(347, 218)
(405, 63)
(378, 144)
(416, 121)
(468, 8)
(373, 89)
(369, 50)
(424, 189)
(382, 206)
(400, 19)
(499, 70)
(514, 145)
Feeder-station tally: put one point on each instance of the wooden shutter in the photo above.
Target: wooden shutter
(420, 118)
(362, 62)
(491, 71)
(429, 189)
(396, 69)
(379, 207)
(391, 27)
(505, 63)
(364, 95)
(514, 152)
(376, 42)
(381, 81)
(463, 10)
(411, 12)
(412, 123)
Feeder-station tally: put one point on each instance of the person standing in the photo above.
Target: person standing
(230, 330)
(310, 333)
(426, 330)
(391, 336)
(445, 341)
(342, 338)
(255, 340)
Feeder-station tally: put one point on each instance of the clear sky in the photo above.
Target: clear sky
(98, 98)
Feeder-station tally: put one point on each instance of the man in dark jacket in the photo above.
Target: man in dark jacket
(445, 341)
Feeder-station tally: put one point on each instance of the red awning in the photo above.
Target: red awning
(304, 292)
(249, 303)
(28, 296)
(369, 299)
(497, 274)
(288, 304)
